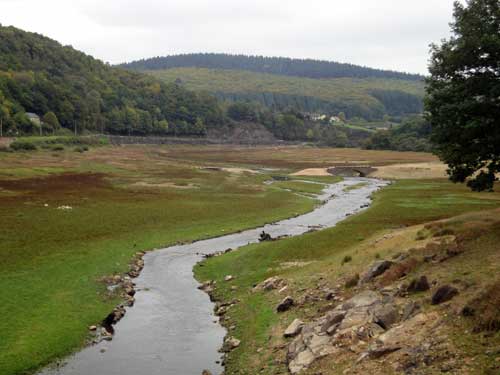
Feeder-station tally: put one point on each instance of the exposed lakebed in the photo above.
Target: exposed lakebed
(172, 329)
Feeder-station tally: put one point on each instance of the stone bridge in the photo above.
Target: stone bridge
(351, 170)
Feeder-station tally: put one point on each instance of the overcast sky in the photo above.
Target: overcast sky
(389, 34)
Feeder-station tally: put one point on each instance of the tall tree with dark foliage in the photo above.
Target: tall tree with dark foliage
(463, 95)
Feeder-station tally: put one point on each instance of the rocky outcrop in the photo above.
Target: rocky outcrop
(353, 320)
(294, 328)
(418, 285)
(444, 294)
(285, 304)
(376, 269)
(271, 283)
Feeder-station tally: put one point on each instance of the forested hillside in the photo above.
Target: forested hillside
(368, 98)
(304, 85)
(69, 89)
(273, 65)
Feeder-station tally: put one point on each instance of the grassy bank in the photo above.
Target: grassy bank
(121, 200)
(324, 257)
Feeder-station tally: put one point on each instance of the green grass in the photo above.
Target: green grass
(300, 186)
(51, 260)
(404, 203)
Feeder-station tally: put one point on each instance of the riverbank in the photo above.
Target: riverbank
(313, 269)
(172, 320)
(72, 220)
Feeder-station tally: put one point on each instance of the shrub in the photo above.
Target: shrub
(57, 147)
(346, 259)
(22, 146)
(81, 149)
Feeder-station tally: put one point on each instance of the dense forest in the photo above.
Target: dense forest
(274, 65)
(69, 89)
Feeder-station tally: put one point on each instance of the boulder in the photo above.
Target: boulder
(332, 319)
(294, 329)
(271, 283)
(231, 343)
(229, 278)
(386, 315)
(409, 310)
(444, 294)
(285, 305)
(365, 298)
(418, 285)
(301, 362)
(376, 269)
(352, 281)
(206, 372)
(265, 237)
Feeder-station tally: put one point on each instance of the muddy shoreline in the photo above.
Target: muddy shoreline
(172, 327)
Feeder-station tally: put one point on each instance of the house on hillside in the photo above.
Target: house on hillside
(34, 118)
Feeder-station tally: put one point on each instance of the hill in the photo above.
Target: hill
(305, 85)
(368, 98)
(274, 65)
(70, 88)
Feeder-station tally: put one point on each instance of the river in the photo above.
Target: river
(171, 329)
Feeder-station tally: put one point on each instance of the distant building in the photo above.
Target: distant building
(34, 118)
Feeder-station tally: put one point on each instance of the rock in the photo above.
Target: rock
(418, 285)
(92, 328)
(285, 305)
(443, 294)
(265, 237)
(231, 343)
(302, 361)
(206, 372)
(365, 298)
(386, 315)
(208, 287)
(376, 269)
(378, 352)
(229, 278)
(352, 281)
(409, 310)
(355, 318)
(332, 319)
(294, 328)
(271, 283)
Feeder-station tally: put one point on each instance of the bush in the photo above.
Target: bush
(57, 147)
(346, 259)
(81, 149)
(22, 146)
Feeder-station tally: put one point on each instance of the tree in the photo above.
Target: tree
(50, 121)
(463, 95)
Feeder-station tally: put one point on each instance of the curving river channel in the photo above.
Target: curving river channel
(171, 329)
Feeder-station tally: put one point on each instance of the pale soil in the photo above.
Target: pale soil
(312, 172)
(412, 171)
(239, 170)
(427, 170)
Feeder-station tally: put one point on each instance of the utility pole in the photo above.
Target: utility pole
(74, 125)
